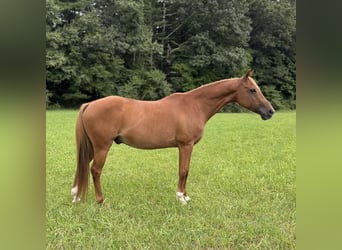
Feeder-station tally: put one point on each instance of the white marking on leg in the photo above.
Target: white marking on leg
(74, 194)
(183, 198)
(179, 195)
(187, 198)
(74, 191)
(74, 200)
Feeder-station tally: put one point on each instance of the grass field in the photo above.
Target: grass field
(241, 181)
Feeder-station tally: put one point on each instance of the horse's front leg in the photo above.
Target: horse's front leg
(184, 163)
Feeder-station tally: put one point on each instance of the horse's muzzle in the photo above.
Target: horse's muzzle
(267, 114)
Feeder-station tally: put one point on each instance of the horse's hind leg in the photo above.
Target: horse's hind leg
(96, 170)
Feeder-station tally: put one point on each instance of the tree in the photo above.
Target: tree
(146, 85)
(203, 40)
(148, 49)
(81, 62)
(273, 48)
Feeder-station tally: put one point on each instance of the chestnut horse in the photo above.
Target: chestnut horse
(177, 120)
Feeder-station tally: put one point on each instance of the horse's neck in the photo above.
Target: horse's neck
(212, 97)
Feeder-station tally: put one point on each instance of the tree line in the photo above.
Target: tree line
(147, 49)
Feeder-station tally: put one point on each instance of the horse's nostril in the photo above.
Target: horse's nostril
(271, 111)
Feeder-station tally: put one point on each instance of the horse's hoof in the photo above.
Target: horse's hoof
(75, 200)
(182, 198)
(99, 200)
(187, 198)
(184, 202)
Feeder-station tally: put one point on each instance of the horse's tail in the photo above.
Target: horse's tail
(85, 154)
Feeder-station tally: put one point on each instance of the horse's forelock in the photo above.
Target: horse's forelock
(253, 82)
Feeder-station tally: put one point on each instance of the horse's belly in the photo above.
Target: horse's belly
(147, 143)
(149, 139)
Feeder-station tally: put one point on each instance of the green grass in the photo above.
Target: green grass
(241, 181)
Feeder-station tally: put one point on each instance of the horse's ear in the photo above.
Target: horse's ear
(249, 73)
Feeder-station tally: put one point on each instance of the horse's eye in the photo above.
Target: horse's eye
(252, 91)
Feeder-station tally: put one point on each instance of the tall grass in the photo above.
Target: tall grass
(241, 181)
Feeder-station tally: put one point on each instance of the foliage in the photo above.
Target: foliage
(148, 49)
(150, 85)
(273, 46)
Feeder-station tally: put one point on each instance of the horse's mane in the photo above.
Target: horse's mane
(211, 84)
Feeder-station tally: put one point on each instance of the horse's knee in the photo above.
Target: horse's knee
(96, 172)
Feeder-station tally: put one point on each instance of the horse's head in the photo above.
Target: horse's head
(250, 96)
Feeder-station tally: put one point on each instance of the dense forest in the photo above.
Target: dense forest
(147, 49)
